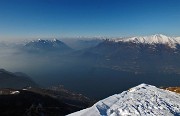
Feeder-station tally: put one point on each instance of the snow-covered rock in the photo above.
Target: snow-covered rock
(142, 100)
(153, 39)
(14, 92)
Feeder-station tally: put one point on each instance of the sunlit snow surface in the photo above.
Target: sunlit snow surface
(144, 100)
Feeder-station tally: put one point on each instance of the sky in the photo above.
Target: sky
(72, 18)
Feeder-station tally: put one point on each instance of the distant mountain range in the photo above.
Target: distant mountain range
(138, 54)
(153, 40)
(46, 46)
(135, 54)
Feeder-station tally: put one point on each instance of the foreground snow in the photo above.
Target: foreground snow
(140, 100)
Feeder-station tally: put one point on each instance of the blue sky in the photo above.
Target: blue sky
(71, 18)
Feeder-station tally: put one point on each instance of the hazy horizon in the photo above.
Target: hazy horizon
(72, 18)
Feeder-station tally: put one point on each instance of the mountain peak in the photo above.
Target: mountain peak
(159, 35)
(46, 45)
(152, 39)
(143, 100)
(54, 39)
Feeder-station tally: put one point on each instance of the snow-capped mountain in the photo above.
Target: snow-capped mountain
(156, 53)
(47, 45)
(153, 39)
(142, 100)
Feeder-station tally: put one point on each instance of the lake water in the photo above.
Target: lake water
(99, 83)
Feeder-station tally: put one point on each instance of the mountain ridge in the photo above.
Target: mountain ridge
(140, 100)
(15, 80)
(152, 39)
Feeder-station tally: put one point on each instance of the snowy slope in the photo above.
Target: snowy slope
(140, 100)
(153, 39)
